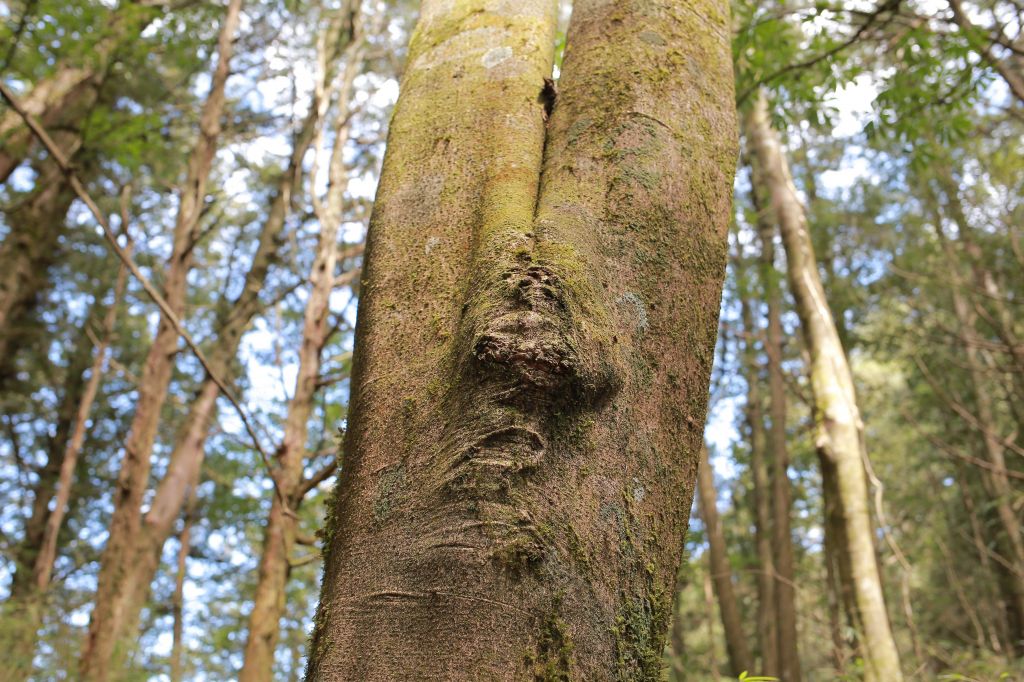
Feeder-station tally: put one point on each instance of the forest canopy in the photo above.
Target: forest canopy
(533, 340)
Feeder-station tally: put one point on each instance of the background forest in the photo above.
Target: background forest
(163, 495)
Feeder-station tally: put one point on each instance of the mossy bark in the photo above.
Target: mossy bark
(838, 426)
(740, 660)
(535, 336)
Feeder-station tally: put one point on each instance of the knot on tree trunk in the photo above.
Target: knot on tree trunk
(530, 350)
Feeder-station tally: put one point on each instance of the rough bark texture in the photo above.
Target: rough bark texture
(838, 426)
(280, 535)
(533, 349)
(782, 496)
(111, 622)
(740, 660)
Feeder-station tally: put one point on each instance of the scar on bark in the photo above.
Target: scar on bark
(532, 353)
(524, 357)
(490, 466)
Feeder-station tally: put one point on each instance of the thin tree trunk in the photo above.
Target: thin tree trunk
(533, 348)
(280, 534)
(186, 458)
(43, 568)
(782, 495)
(839, 431)
(109, 625)
(740, 660)
(981, 546)
(23, 610)
(1003, 320)
(1010, 540)
(709, 613)
(767, 615)
(178, 598)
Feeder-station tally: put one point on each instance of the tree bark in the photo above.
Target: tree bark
(533, 348)
(838, 426)
(740, 660)
(280, 534)
(110, 624)
(186, 459)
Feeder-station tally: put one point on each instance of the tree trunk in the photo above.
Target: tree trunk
(26, 254)
(533, 349)
(110, 625)
(43, 568)
(280, 534)
(23, 610)
(1001, 319)
(781, 497)
(178, 599)
(740, 660)
(1009, 540)
(186, 458)
(32, 245)
(767, 615)
(839, 431)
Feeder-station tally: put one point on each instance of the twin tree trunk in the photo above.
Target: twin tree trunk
(535, 337)
(838, 427)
